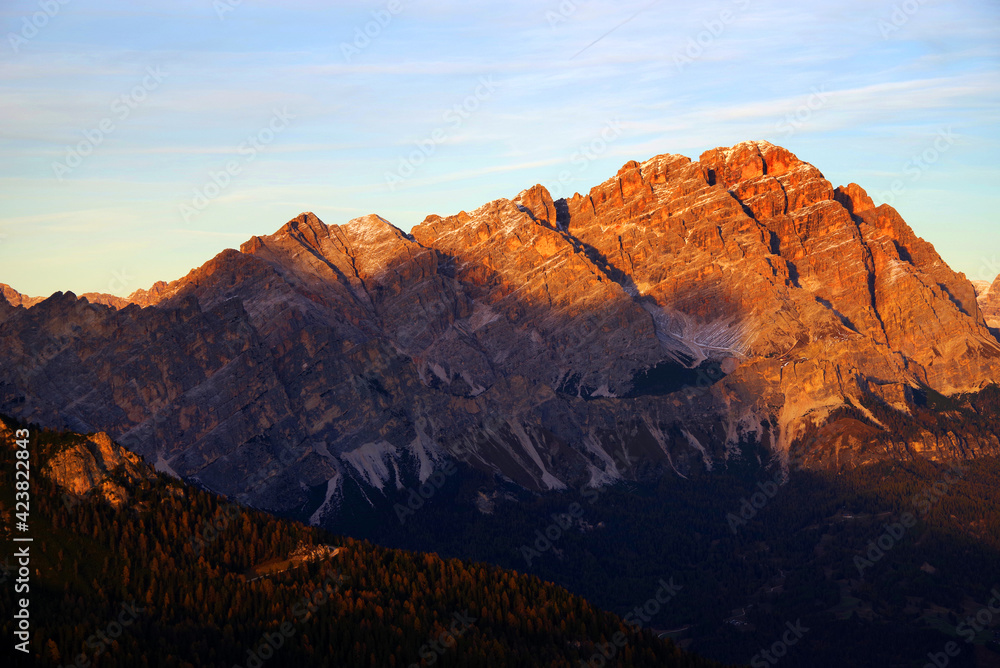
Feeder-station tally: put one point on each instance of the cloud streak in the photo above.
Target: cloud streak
(883, 97)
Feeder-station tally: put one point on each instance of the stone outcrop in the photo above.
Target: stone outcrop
(89, 465)
(97, 465)
(988, 296)
(15, 298)
(673, 316)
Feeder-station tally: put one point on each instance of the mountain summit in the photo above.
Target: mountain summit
(678, 315)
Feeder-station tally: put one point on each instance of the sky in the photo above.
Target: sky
(141, 139)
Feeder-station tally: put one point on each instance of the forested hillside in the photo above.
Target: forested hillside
(149, 584)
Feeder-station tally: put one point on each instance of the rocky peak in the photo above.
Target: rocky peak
(155, 294)
(91, 462)
(307, 227)
(989, 302)
(15, 298)
(370, 230)
(853, 198)
(748, 160)
(674, 312)
(537, 202)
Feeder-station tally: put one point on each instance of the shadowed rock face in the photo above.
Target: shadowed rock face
(676, 313)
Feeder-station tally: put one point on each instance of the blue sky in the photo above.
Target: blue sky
(138, 142)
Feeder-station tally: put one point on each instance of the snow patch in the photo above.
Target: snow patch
(896, 271)
(603, 391)
(439, 372)
(424, 448)
(476, 388)
(548, 479)
(696, 444)
(592, 444)
(332, 485)
(482, 315)
(661, 440)
(163, 466)
(369, 461)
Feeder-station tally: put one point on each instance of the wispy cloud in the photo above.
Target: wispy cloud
(561, 83)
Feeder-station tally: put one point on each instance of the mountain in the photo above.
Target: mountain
(180, 577)
(139, 297)
(15, 298)
(680, 316)
(988, 296)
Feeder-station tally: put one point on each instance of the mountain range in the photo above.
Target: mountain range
(677, 312)
(623, 370)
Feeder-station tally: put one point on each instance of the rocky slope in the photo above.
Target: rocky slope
(188, 575)
(97, 465)
(988, 296)
(139, 297)
(15, 298)
(675, 314)
(90, 465)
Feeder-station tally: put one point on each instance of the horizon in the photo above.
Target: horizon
(279, 109)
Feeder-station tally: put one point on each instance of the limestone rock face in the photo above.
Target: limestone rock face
(673, 316)
(93, 464)
(159, 291)
(988, 296)
(15, 298)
